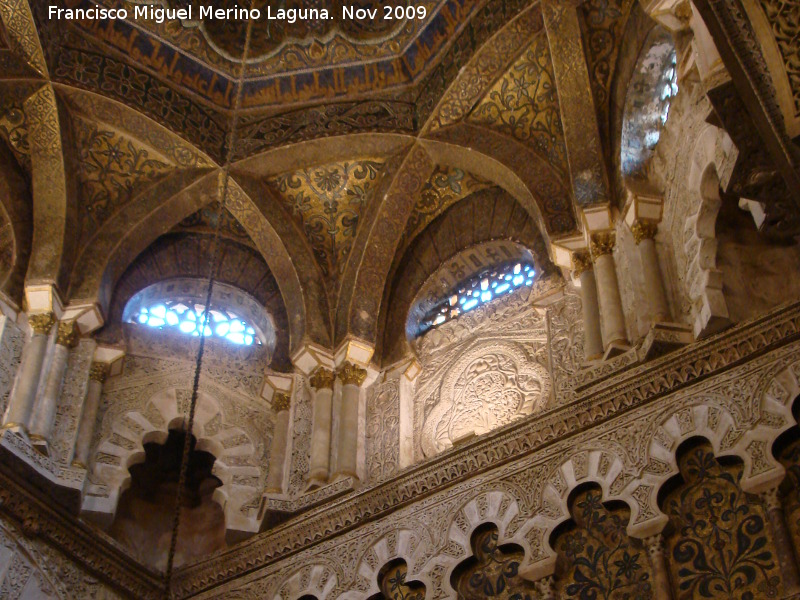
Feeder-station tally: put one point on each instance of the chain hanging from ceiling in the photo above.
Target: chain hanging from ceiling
(213, 266)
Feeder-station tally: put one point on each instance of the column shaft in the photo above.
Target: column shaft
(20, 403)
(44, 414)
(280, 436)
(644, 234)
(83, 441)
(612, 319)
(347, 444)
(319, 468)
(593, 339)
(655, 550)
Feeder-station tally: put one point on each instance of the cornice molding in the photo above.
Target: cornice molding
(598, 402)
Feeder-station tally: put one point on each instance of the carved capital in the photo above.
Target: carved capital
(41, 323)
(322, 379)
(683, 12)
(98, 372)
(350, 374)
(603, 243)
(581, 262)
(67, 334)
(643, 230)
(281, 401)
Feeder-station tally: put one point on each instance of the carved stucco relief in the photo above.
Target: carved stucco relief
(566, 336)
(32, 570)
(478, 377)
(301, 437)
(73, 392)
(630, 458)
(11, 342)
(152, 395)
(383, 430)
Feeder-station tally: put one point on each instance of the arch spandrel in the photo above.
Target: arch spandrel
(106, 256)
(544, 195)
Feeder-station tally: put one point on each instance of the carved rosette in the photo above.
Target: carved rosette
(644, 230)
(281, 401)
(602, 244)
(98, 372)
(322, 379)
(581, 262)
(350, 374)
(41, 323)
(67, 335)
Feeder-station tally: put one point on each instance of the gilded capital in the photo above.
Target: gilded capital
(643, 230)
(281, 401)
(41, 323)
(98, 371)
(67, 334)
(350, 374)
(603, 243)
(322, 378)
(581, 262)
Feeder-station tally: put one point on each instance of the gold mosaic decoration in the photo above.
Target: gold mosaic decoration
(14, 121)
(327, 202)
(446, 186)
(524, 104)
(113, 167)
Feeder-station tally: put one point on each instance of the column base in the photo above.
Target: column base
(276, 508)
(314, 483)
(39, 444)
(615, 349)
(344, 475)
(663, 338)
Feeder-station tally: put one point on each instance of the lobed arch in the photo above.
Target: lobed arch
(316, 580)
(389, 546)
(703, 279)
(238, 454)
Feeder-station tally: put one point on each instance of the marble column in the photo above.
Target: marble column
(593, 340)
(612, 319)
(44, 413)
(322, 384)
(97, 376)
(20, 403)
(644, 233)
(280, 434)
(783, 543)
(655, 552)
(347, 443)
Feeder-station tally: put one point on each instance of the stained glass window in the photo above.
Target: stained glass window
(188, 318)
(479, 290)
